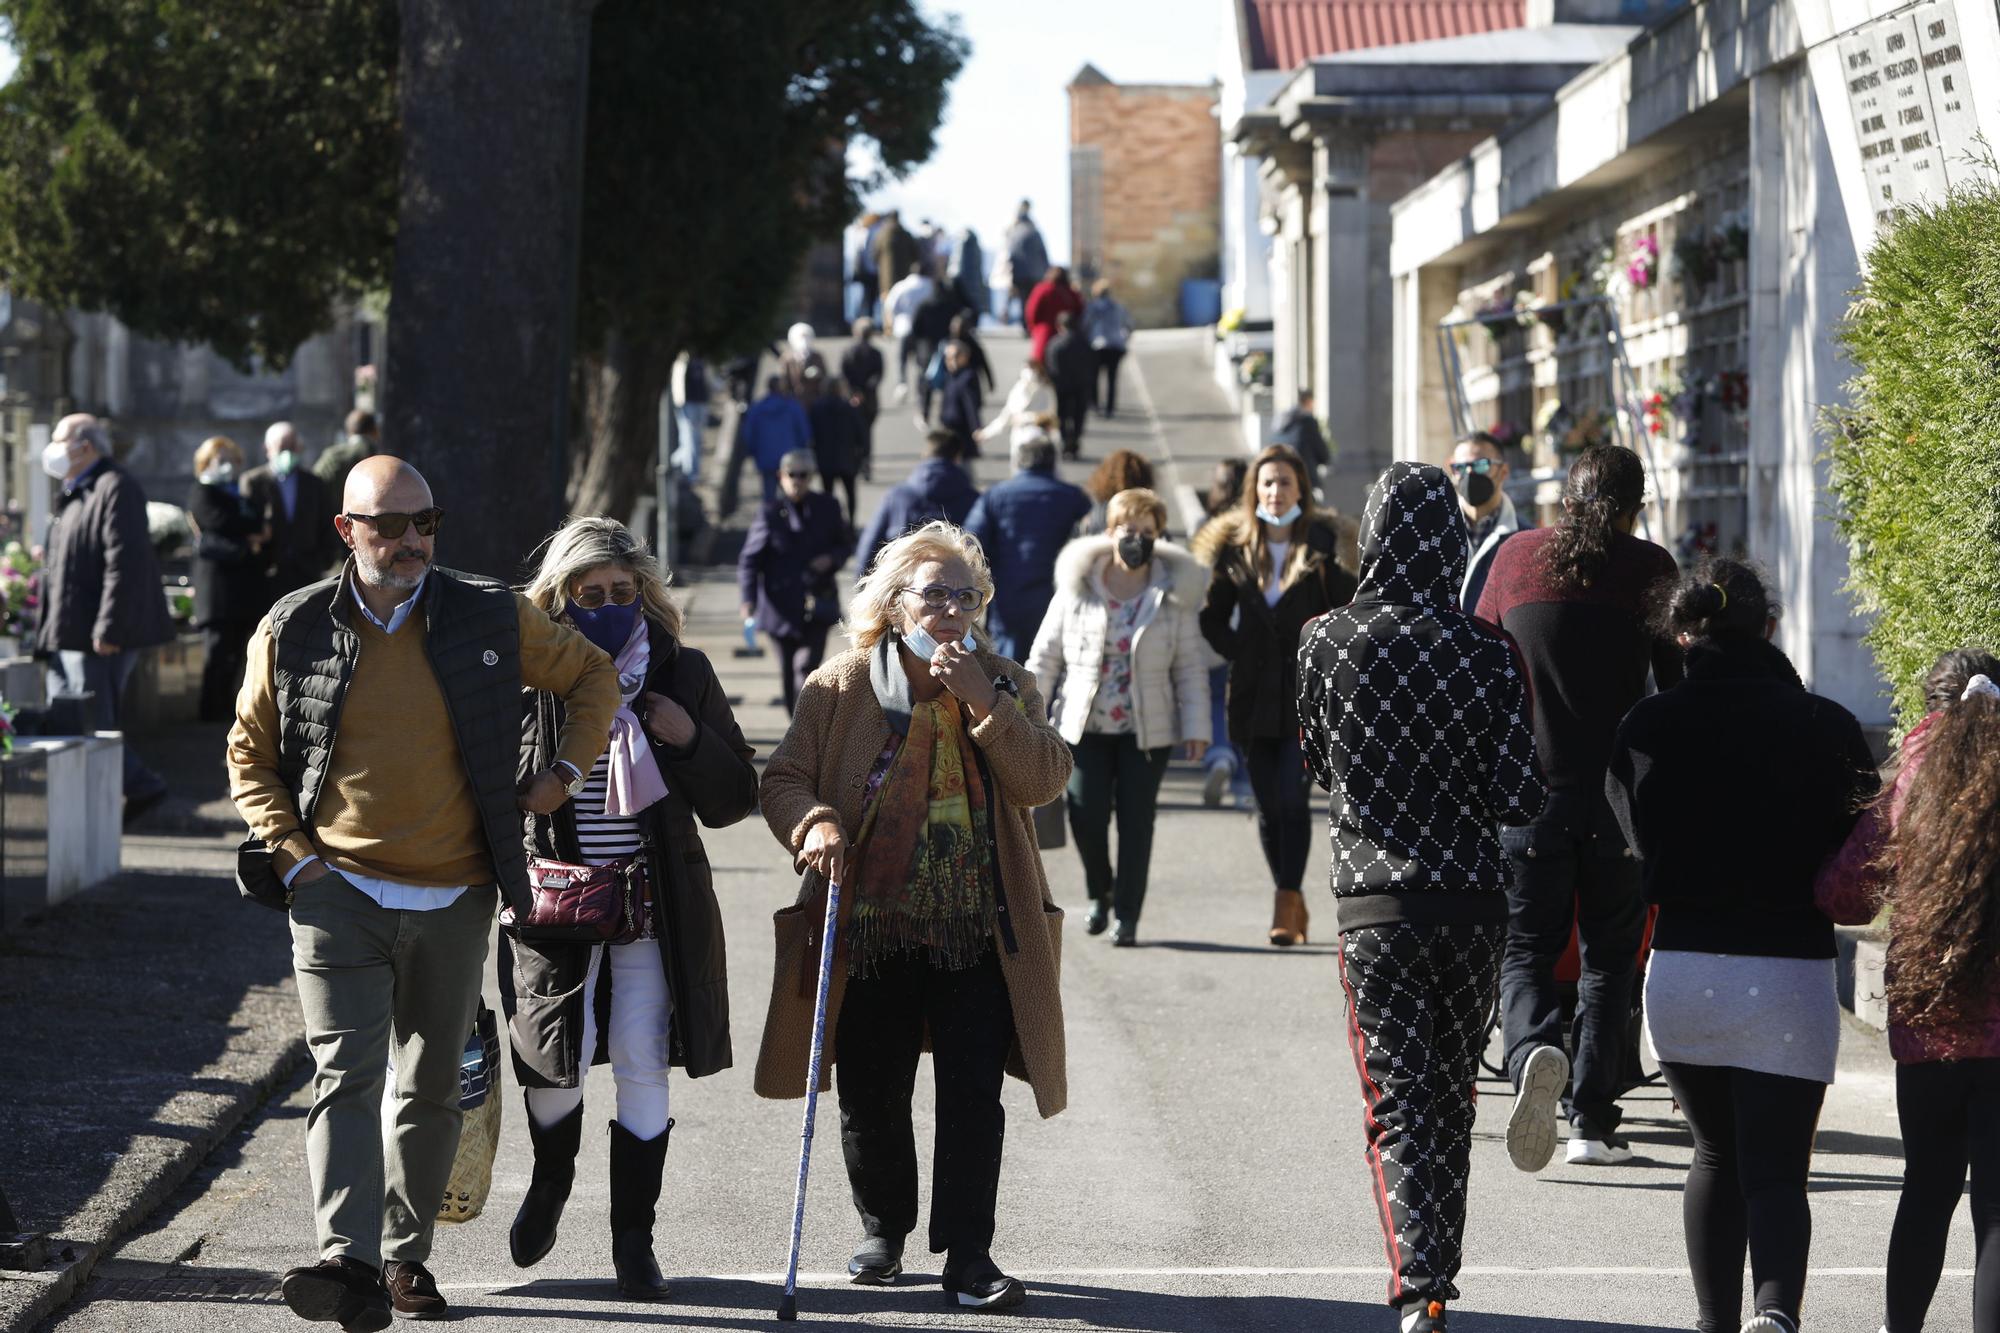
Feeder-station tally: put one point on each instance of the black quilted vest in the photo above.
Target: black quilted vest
(472, 635)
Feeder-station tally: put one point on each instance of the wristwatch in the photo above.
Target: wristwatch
(574, 785)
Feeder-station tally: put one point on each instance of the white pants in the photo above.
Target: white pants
(640, 1009)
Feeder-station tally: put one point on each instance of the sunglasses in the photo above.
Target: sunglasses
(392, 526)
(937, 597)
(800, 476)
(1482, 466)
(590, 599)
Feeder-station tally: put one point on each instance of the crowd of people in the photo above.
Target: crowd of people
(1527, 734)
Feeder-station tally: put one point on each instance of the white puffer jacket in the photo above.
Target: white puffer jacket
(1169, 660)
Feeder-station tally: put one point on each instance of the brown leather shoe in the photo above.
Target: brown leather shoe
(1288, 918)
(340, 1291)
(413, 1292)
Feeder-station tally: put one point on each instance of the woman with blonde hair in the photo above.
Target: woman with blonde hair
(1121, 653)
(228, 572)
(909, 777)
(676, 755)
(1276, 567)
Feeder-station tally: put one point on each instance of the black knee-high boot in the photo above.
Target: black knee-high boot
(636, 1167)
(534, 1231)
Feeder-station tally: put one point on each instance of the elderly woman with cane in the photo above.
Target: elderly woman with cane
(909, 777)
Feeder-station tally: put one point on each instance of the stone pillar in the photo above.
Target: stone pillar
(1345, 332)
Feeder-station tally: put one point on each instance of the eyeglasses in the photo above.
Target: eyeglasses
(799, 476)
(1482, 466)
(937, 597)
(622, 594)
(392, 526)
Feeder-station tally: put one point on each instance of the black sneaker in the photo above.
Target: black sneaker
(877, 1263)
(982, 1286)
(340, 1291)
(1426, 1316)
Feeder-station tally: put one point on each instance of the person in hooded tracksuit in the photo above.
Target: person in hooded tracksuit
(1415, 718)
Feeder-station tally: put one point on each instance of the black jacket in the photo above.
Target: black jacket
(101, 579)
(303, 545)
(1071, 360)
(1300, 430)
(1415, 718)
(839, 435)
(228, 575)
(541, 983)
(861, 367)
(1733, 787)
(1261, 642)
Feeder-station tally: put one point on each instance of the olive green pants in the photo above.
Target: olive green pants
(380, 986)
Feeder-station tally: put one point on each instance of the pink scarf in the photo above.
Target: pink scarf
(633, 775)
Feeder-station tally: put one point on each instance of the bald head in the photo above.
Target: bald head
(385, 484)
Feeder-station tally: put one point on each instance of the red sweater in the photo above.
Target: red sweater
(1045, 302)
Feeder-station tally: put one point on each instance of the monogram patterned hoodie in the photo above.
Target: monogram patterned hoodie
(1415, 717)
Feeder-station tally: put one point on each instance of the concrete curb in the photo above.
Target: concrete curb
(127, 1200)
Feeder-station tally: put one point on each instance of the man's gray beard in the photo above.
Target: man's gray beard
(387, 577)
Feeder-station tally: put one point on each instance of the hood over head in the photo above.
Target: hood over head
(1412, 539)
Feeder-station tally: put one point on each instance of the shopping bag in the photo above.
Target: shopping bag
(1051, 824)
(479, 1136)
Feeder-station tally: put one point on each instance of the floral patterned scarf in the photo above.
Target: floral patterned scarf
(924, 879)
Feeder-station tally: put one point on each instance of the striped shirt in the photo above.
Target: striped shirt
(603, 837)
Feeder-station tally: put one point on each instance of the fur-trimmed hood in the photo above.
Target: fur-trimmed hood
(1184, 576)
(1232, 529)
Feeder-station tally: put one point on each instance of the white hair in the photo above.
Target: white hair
(872, 612)
(275, 433)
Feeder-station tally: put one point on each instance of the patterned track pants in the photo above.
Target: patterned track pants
(1417, 1000)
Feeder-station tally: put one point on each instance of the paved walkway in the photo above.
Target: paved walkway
(1208, 1175)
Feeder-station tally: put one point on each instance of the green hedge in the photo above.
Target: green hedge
(1916, 455)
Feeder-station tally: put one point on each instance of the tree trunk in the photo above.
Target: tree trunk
(611, 465)
(483, 300)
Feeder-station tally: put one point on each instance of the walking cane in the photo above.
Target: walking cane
(788, 1305)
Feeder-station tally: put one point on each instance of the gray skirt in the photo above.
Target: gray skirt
(1773, 1015)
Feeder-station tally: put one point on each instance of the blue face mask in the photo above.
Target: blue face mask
(609, 626)
(923, 645)
(1286, 519)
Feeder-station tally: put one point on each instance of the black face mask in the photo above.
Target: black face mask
(1135, 550)
(1476, 487)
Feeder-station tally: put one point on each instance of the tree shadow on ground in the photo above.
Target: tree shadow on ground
(733, 1303)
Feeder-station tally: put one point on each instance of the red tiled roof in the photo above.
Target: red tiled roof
(1285, 34)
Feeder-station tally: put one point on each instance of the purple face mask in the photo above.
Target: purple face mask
(609, 626)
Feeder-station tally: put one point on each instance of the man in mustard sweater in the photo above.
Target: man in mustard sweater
(374, 750)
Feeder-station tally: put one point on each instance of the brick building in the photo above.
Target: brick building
(1145, 189)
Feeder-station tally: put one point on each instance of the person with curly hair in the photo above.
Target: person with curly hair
(1121, 470)
(1733, 787)
(1573, 599)
(1930, 845)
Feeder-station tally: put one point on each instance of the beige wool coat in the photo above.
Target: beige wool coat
(1170, 661)
(818, 772)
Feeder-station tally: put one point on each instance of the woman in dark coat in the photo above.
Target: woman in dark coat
(785, 575)
(676, 755)
(228, 583)
(1276, 568)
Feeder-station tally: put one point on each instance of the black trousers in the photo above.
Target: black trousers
(1572, 871)
(1107, 371)
(1284, 806)
(1113, 773)
(845, 480)
(1072, 405)
(1753, 1137)
(1417, 998)
(1950, 1114)
(880, 1037)
(798, 657)
(225, 649)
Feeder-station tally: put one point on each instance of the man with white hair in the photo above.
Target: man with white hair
(102, 603)
(299, 510)
(1023, 524)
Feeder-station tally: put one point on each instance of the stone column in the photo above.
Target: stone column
(1349, 374)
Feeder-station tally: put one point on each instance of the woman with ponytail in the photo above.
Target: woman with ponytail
(1930, 845)
(1733, 787)
(1573, 598)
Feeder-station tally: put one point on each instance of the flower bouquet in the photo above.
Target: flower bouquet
(1642, 269)
(20, 589)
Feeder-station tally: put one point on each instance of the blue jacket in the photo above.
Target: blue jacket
(1023, 523)
(935, 489)
(773, 427)
(774, 573)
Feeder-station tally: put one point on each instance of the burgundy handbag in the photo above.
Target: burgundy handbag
(604, 904)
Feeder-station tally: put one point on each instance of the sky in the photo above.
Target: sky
(1006, 131)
